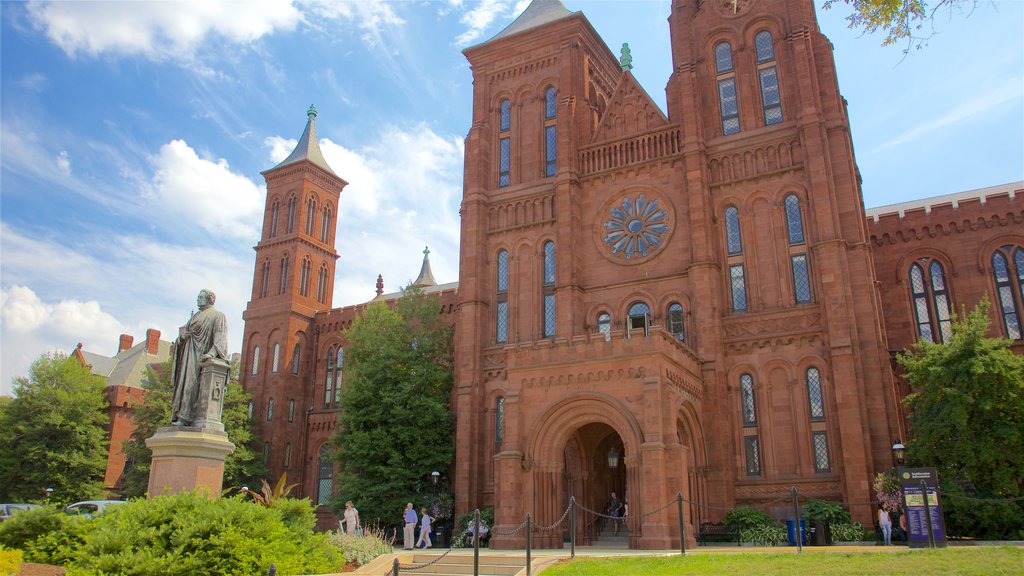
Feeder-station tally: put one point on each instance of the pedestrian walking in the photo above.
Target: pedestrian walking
(425, 521)
(410, 526)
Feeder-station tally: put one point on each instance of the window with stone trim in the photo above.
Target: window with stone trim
(801, 278)
(639, 317)
(255, 360)
(604, 325)
(550, 133)
(291, 410)
(548, 289)
(296, 353)
(265, 279)
(752, 455)
(250, 408)
(499, 423)
(304, 277)
(501, 308)
(270, 410)
(930, 300)
(277, 358)
(324, 477)
(282, 282)
(767, 72)
(748, 405)
(329, 377)
(1008, 273)
(293, 203)
(727, 96)
(734, 250)
(266, 452)
(325, 225)
(816, 400)
(275, 211)
(676, 325)
(504, 143)
(323, 277)
(738, 286)
(733, 237)
(287, 455)
(794, 219)
(310, 216)
(339, 364)
(821, 456)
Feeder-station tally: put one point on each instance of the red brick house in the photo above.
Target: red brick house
(697, 296)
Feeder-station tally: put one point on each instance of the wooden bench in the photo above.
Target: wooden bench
(711, 531)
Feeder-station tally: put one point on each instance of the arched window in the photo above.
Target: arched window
(733, 238)
(291, 410)
(255, 360)
(282, 282)
(324, 476)
(550, 133)
(270, 410)
(930, 300)
(277, 357)
(771, 101)
(306, 272)
(264, 279)
(549, 289)
(504, 143)
(501, 309)
(329, 379)
(274, 213)
(321, 284)
(604, 325)
(310, 215)
(499, 423)
(295, 358)
(815, 399)
(639, 316)
(338, 365)
(801, 278)
(794, 220)
(287, 455)
(293, 203)
(675, 321)
(727, 99)
(747, 400)
(325, 225)
(737, 270)
(1009, 280)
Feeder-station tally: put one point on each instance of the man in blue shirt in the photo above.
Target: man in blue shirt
(410, 526)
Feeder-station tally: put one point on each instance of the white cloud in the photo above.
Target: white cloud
(370, 16)
(205, 192)
(479, 18)
(63, 162)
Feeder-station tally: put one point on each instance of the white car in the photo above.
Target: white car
(90, 508)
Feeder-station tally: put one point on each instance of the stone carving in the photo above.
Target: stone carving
(200, 366)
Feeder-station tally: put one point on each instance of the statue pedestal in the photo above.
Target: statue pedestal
(213, 385)
(186, 458)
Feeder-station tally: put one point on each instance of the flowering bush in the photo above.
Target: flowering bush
(887, 490)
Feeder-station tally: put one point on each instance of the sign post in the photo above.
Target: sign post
(920, 489)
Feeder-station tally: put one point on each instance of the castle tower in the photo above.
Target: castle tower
(652, 303)
(292, 282)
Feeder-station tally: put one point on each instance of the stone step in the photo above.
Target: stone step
(462, 565)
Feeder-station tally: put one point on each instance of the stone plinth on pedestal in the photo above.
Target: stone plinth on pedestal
(186, 458)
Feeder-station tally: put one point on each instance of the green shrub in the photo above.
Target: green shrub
(831, 512)
(28, 525)
(360, 550)
(848, 532)
(747, 517)
(297, 513)
(764, 535)
(10, 561)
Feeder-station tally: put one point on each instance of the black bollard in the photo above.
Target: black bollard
(476, 542)
(572, 526)
(796, 515)
(529, 543)
(682, 525)
(273, 570)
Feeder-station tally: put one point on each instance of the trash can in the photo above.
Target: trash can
(821, 533)
(440, 538)
(791, 532)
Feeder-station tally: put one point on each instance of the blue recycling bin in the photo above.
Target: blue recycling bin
(791, 532)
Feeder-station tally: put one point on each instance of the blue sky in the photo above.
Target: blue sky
(134, 133)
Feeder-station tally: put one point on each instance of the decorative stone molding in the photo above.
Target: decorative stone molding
(762, 159)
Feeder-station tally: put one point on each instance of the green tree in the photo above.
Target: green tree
(53, 433)
(395, 423)
(242, 467)
(966, 415)
(899, 19)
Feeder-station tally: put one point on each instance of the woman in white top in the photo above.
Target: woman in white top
(351, 520)
(885, 523)
(425, 522)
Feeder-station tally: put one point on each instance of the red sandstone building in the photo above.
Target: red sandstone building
(699, 294)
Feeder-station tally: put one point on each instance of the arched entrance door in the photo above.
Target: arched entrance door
(595, 467)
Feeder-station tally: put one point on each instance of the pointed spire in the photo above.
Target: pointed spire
(537, 14)
(380, 285)
(308, 147)
(426, 277)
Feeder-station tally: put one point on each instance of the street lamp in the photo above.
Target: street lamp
(899, 452)
(49, 491)
(434, 477)
(613, 458)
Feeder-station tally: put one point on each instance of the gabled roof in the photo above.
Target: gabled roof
(620, 119)
(127, 367)
(308, 147)
(537, 14)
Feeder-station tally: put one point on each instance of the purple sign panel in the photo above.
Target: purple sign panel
(920, 489)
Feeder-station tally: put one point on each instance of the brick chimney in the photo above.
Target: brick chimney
(152, 341)
(124, 343)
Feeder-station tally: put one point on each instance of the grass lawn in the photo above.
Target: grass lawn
(981, 561)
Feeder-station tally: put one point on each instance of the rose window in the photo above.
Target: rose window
(635, 227)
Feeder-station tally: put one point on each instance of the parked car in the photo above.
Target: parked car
(90, 508)
(6, 510)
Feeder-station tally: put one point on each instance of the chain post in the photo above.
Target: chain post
(682, 525)
(796, 515)
(476, 542)
(572, 526)
(529, 544)
(394, 569)
(273, 570)
(928, 514)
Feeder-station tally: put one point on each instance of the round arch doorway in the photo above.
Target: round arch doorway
(595, 467)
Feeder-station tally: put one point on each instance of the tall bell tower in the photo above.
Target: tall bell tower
(293, 280)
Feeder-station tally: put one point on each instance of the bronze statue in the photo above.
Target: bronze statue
(204, 336)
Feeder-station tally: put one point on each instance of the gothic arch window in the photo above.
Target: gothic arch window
(499, 423)
(815, 399)
(321, 285)
(338, 374)
(675, 321)
(797, 251)
(747, 400)
(277, 357)
(737, 269)
(310, 215)
(1008, 273)
(282, 282)
(255, 360)
(505, 143)
(727, 97)
(265, 279)
(639, 316)
(549, 289)
(296, 353)
(733, 238)
(550, 133)
(287, 455)
(291, 410)
(801, 278)
(604, 325)
(325, 225)
(293, 203)
(304, 276)
(270, 410)
(767, 73)
(930, 300)
(329, 378)
(275, 212)
(794, 219)
(324, 477)
(501, 308)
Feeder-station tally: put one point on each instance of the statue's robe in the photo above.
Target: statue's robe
(205, 333)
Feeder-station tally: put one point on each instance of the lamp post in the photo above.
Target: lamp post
(49, 491)
(435, 476)
(899, 452)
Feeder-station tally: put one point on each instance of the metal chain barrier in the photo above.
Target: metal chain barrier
(540, 527)
(513, 532)
(414, 567)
